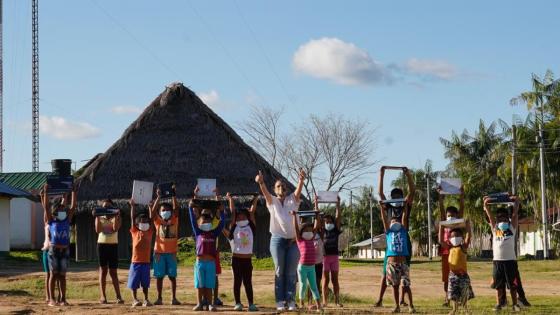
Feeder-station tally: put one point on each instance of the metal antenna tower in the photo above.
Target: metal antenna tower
(35, 83)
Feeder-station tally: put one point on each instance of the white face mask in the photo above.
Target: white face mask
(395, 227)
(206, 227)
(329, 226)
(166, 215)
(307, 235)
(143, 226)
(243, 223)
(61, 215)
(456, 241)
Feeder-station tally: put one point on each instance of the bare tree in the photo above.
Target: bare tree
(261, 129)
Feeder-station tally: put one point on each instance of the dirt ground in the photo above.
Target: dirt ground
(359, 284)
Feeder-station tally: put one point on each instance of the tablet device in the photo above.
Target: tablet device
(105, 211)
(166, 190)
(142, 192)
(450, 186)
(207, 187)
(453, 223)
(327, 196)
(59, 184)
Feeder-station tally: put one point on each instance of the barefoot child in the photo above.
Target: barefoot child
(448, 213)
(45, 256)
(241, 234)
(306, 267)
(58, 218)
(503, 247)
(165, 217)
(107, 227)
(459, 289)
(206, 251)
(141, 231)
(330, 261)
(397, 271)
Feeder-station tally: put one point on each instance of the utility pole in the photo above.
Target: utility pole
(1, 95)
(429, 216)
(513, 162)
(543, 186)
(35, 84)
(350, 227)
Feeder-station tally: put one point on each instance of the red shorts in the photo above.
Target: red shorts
(330, 263)
(218, 265)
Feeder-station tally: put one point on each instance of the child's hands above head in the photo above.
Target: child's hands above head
(196, 191)
(228, 196)
(338, 201)
(259, 179)
(301, 174)
(293, 213)
(131, 202)
(158, 193)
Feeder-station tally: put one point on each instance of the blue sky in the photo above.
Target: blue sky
(414, 70)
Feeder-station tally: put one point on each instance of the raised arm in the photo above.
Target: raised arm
(174, 202)
(405, 216)
(317, 223)
(194, 224)
(381, 178)
(462, 202)
(411, 186)
(384, 217)
(253, 210)
(297, 193)
(218, 230)
(441, 198)
(117, 222)
(296, 225)
(337, 216)
(155, 205)
(259, 179)
(232, 209)
(515, 212)
(468, 235)
(97, 225)
(73, 204)
(316, 203)
(47, 215)
(488, 213)
(132, 211)
(440, 237)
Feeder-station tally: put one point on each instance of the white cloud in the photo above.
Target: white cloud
(438, 69)
(338, 61)
(63, 129)
(123, 110)
(210, 98)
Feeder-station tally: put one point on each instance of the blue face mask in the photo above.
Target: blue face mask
(206, 227)
(395, 227)
(504, 226)
(166, 215)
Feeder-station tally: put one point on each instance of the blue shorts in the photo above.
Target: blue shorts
(139, 275)
(205, 274)
(165, 265)
(45, 260)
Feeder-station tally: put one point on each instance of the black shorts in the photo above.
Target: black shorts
(504, 274)
(108, 255)
(319, 274)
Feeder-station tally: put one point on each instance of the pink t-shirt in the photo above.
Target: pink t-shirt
(307, 254)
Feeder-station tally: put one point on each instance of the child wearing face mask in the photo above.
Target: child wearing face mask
(206, 252)
(306, 266)
(166, 221)
(459, 288)
(448, 213)
(141, 231)
(397, 271)
(503, 248)
(241, 235)
(331, 264)
(58, 220)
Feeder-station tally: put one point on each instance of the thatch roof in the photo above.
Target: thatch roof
(177, 138)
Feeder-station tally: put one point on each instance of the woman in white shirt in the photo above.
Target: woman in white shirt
(283, 248)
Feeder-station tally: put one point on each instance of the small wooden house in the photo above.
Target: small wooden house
(177, 138)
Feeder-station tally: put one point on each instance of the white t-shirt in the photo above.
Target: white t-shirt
(280, 218)
(503, 244)
(241, 239)
(319, 248)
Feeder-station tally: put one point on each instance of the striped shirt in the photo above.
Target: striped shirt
(307, 255)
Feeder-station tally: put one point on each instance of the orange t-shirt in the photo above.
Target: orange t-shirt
(141, 244)
(166, 235)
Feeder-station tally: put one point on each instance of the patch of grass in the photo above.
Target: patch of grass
(31, 256)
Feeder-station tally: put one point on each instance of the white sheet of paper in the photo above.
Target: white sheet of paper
(207, 187)
(450, 186)
(327, 196)
(142, 192)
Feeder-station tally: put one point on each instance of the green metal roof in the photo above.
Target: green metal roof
(26, 180)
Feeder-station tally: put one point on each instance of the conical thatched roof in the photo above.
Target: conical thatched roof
(177, 138)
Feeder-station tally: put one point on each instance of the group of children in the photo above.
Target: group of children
(317, 242)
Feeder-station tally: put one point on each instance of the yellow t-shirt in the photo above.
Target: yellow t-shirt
(107, 235)
(457, 260)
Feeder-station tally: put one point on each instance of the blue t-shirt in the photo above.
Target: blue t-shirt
(60, 232)
(397, 243)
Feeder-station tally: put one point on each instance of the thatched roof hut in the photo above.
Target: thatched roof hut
(177, 138)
